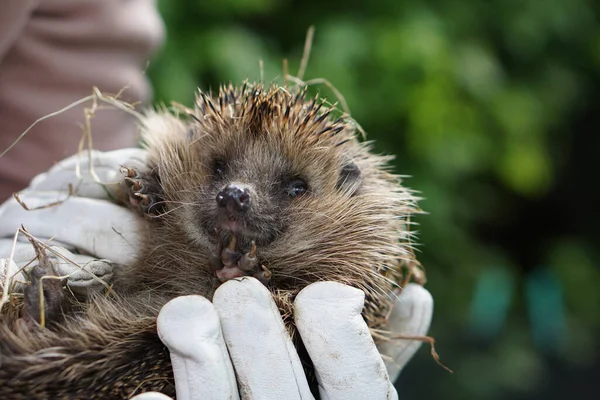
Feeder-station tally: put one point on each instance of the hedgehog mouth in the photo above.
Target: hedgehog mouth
(246, 230)
(236, 226)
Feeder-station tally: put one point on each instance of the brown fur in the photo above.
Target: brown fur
(351, 230)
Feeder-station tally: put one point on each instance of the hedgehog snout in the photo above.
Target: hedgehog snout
(235, 198)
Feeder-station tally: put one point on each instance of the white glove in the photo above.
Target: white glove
(86, 222)
(243, 327)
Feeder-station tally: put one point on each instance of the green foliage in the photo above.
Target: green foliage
(482, 102)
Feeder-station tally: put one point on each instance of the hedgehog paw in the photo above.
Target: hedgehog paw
(229, 263)
(44, 297)
(144, 191)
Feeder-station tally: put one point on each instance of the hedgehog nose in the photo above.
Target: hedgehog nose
(235, 198)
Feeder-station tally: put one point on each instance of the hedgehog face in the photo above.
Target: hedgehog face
(255, 192)
(256, 186)
(247, 192)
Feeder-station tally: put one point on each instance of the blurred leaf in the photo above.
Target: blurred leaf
(525, 167)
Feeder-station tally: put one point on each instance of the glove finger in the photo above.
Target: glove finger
(151, 396)
(265, 359)
(97, 227)
(189, 327)
(411, 316)
(84, 274)
(106, 167)
(346, 360)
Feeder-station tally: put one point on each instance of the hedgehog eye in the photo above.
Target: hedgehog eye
(296, 188)
(218, 169)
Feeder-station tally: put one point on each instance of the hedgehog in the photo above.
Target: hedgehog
(259, 181)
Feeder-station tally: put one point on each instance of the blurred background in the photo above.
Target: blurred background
(491, 108)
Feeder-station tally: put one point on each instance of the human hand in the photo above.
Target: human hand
(242, 329)
(91, 233)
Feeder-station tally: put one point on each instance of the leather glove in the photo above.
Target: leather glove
(242, 331)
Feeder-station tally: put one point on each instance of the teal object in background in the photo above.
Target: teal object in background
(547, 316)
(492, 298)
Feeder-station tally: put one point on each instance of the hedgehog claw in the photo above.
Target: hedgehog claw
(252, 252)
(144, 199)
(230, 256)
(232, 243)
(263, 276)
(130, 173)
(137, 186)
(248, 262)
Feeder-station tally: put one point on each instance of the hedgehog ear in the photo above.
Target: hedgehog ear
(350, 177)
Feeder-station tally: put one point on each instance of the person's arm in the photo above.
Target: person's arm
(52, 53)
(13, 19)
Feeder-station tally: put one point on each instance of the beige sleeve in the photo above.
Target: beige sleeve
(52, 53)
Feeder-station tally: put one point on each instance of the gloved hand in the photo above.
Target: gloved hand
(242, 326)
(242, 329)
(86, 228)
